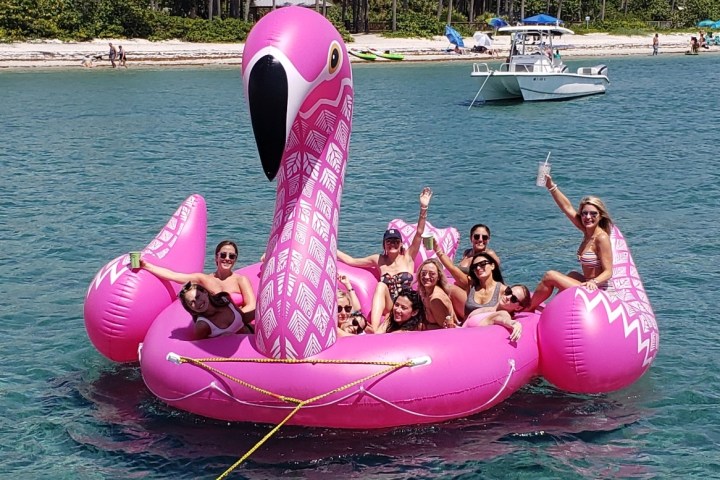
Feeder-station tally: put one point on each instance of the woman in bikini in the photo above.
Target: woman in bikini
(213, 315)
(595, 253)
(444, 303)
(394, 266)
(223, 279)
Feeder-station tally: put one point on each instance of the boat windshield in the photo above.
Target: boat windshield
(528, 43)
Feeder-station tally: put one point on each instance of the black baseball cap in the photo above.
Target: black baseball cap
(392, 233)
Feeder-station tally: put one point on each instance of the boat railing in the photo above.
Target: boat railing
(481, 68)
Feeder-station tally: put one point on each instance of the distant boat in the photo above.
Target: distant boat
(364, 54)
(387, 54)
(532, 71)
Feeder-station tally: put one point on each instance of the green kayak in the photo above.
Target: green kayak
(365, 55)
(387, 54)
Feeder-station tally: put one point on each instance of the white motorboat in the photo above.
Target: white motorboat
(534, 70)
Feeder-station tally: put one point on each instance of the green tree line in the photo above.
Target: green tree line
(231, 20)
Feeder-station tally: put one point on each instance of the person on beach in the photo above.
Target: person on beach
(394, 266)
(656, 44)
(121, 56)
(407, 315)
(594, 254)
(223, 279)
(212, 315)
(442, 301)
(112, 54)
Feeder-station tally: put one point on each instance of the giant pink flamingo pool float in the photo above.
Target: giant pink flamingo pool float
(299, 87)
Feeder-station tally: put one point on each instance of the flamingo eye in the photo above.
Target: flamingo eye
(334, 58)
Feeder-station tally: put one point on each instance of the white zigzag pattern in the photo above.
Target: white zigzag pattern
(287, 231)
(269, 323)
(342, 134)
(304, 211)
(305, 300)
(312, 272)
(321, 320)
(312, 347)
(301, 234)
(298, 324)
(325, 121)
(275, 350)
(613, 314)
(316, 250)
(323, 204)
(308, 188)
(315, 141)
(321, 226)
(334, 158)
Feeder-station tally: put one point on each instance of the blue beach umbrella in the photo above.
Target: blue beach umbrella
(497, 22)
(542, 19)
(454, 37)
(716, 25)
(705, 23)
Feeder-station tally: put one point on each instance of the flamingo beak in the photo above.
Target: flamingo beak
(268, 99)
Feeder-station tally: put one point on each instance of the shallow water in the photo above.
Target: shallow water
(94, 162)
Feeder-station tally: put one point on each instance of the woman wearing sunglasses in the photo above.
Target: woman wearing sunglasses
(479, 240)
(223, 279)
(594, 254)
(443, 302)
(350, 320)
(213, 315)
(394, 266)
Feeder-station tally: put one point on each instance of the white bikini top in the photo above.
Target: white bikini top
(234, 327)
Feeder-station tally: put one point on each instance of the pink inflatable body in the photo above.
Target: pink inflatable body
(301, 103)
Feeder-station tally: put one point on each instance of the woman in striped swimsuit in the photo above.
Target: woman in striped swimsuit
(595, 254)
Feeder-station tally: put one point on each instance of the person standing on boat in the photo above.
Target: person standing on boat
(595, 253)
(394, 267)
(223, 279)
(656, 44)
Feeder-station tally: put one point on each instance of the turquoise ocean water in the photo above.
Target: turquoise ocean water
(95, 162)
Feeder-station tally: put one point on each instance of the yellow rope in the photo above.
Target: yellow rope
(392, 366)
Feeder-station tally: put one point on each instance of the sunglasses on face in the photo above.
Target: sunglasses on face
(225, 255)
(588, 213)
(428, 274)
(513, 298)
(393, 241)
(481, 265)
(347, 308)
(478, 236)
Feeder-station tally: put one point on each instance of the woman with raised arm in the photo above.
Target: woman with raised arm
(223, 279)
(594, 254)
(444, 303)
(394, 267)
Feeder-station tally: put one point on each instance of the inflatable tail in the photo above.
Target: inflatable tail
(121, 303)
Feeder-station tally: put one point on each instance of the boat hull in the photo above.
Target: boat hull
(534, 87)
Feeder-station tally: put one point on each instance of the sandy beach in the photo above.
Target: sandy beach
(145, 53)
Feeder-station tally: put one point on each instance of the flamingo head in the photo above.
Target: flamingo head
(293, 57)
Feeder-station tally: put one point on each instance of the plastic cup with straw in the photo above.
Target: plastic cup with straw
(543, 169)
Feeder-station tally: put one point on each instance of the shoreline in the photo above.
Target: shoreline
(144, 53)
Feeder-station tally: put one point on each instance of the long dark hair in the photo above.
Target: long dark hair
(414, 322)
(496, 275)
(225, 243)
(218, 300)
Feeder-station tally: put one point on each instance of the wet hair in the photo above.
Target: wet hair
(441, 279)
(496, 275)
(412, 324)
(225, 243)
(479, 225)
(605, 221)
(218, 300)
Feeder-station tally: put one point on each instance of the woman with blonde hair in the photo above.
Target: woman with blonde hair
(443, 302)
(594, 254)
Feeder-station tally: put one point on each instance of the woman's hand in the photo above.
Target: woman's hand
(516, 331)
(425, 197)
(549, 181)
(591, 285)
(345, 281)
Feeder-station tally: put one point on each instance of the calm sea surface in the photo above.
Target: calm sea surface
(95, 162)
